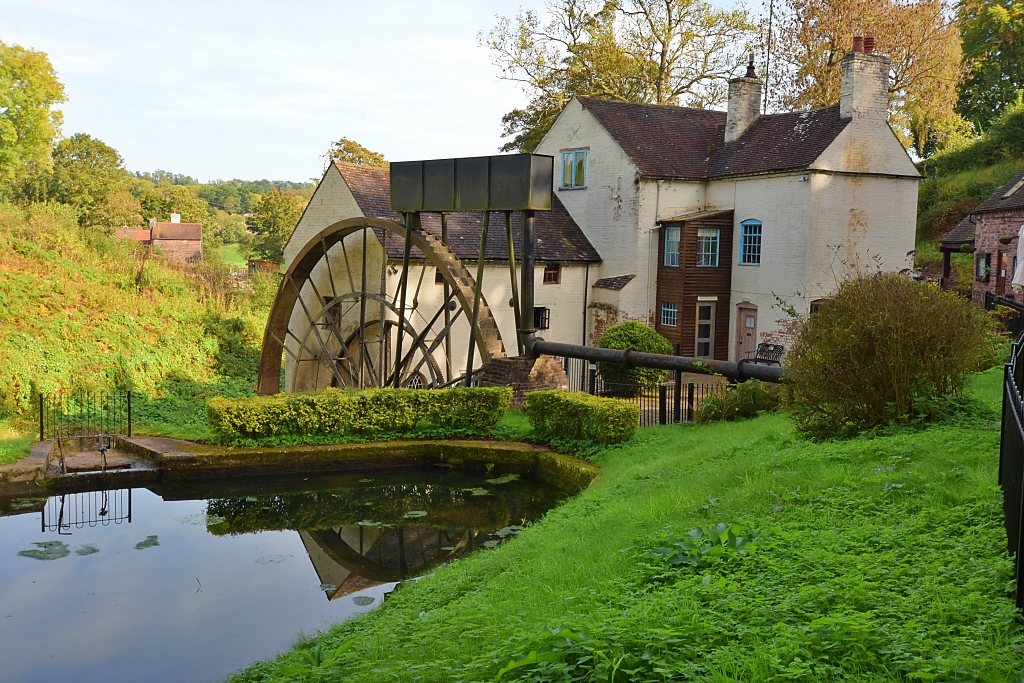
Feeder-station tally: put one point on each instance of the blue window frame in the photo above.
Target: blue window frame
(672, 246)
(574, 168)
(669, 313)
(708, 240)
(750, 243)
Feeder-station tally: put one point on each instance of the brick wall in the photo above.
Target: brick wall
(182, 250)
(988, 229)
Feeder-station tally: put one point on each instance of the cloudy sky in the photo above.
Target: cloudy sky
(257, 89)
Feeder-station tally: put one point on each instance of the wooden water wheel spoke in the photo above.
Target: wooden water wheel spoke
(360, 333)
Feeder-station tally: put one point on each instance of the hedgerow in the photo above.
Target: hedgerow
(582, 417)
(336, 413)
(637, 336)
(746, 399)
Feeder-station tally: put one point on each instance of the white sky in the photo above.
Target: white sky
(259, 89)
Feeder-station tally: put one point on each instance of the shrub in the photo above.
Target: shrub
(582, 417)
(633, 335)
(884, 350)
(368, 412)
(744, 400)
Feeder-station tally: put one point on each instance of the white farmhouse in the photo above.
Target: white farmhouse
(704, 220)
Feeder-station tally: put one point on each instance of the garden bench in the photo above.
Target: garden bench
(768, 354)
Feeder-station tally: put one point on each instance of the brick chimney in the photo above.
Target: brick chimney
(865, 85)
(744, 103)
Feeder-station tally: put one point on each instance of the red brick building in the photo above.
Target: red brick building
(177, 240)
(990, 231)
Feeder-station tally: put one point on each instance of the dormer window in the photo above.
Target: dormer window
(574, 169)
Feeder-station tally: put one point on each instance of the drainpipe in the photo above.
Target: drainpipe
(586, 290)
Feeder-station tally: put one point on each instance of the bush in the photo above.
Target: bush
(639, 337)
(744, 400)
(341, 413)
(581, 417)
(885, 350)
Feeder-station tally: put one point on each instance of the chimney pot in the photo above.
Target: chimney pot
(858, 43)
(869, 44)
(750, 68)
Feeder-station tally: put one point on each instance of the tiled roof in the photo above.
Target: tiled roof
(614, 283)
(559, 238)
(1000, 202)
(962, 233)
(679, 142)
(779, 142)
(177, 231)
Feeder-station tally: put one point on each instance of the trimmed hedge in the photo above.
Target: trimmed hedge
(566, 414)
(637, 336)
(346, 412)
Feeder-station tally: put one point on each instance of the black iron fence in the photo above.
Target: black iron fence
(1011, 462)
(84, 415)
(91, 508)
(1012, 313)
(671, 402)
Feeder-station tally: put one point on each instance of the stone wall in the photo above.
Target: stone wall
(524, 375)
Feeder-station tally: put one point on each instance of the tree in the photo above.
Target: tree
(85, 173)
(992, 32)
(118, 208)
(272, 221)
(654, 51)
(29, 90)
(354, 153)
(810, 37)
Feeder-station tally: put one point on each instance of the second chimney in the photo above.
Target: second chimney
(865, 84)
(744, 103)
(175, 217)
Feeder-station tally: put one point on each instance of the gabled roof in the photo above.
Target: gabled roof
(177, 231)
(1009, 196)
(559, 238)
(680, 142)
(962, 233)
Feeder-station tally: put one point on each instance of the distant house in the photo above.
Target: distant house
(990, 231)
(177, 240)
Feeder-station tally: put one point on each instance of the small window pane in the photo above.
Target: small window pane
(703, 349)
(669, 313)
(672, 247)
(574, 168)
(707, 247)
(750, 243)
(581, 169)
(567, 158)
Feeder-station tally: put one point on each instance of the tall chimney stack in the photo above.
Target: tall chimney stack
(744, 103)
(864, 94)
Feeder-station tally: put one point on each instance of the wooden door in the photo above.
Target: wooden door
(746, 331)
(705, 332)
(1001, 273)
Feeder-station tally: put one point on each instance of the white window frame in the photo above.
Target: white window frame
(708, 236)
(671, 259)
(669, 314)
(574, 157)
(750, 243)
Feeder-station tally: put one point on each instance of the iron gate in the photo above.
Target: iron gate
(85, 415)
(1011, 462)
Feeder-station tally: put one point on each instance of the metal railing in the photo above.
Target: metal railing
(84, 415)
(671, 402)
(1013, 318)
(1011, 462)
(91, 508)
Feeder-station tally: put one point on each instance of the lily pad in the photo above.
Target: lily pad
(479, 492)
(362, 600)
(87, 549)
(504, 479)
(491, 544)
(447, 548)
(367, 481)
(271, 559)
(415, 514)
(47, 550)
(150, 542)
(367, 522)
(251, 499)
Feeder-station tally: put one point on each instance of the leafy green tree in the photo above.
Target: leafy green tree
(185, 201)
(118, 208)
(272, 222)
(29, 90)
(992, 32)
(637, 336)
(85, 173)
(654, 51)
(352, 152)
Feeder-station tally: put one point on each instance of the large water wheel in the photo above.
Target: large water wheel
(339, 319)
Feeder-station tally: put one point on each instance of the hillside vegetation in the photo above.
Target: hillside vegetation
(83, 311)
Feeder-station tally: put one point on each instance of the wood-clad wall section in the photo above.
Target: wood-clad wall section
(685, 283)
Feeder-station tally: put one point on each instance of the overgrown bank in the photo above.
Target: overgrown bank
(880, 559)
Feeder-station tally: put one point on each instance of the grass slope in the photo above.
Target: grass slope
(882, 559)
(81, 311)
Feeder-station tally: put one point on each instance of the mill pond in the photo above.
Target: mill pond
(190, 582)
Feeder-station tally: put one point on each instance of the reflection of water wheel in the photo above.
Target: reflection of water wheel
(338, 314)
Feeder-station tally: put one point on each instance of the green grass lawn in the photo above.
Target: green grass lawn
(15, 441)
(232, 256)
(880, 559)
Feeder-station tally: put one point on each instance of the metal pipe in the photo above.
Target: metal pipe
(515, 285)
(740, 370)
(527, 291)
(411, 220)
